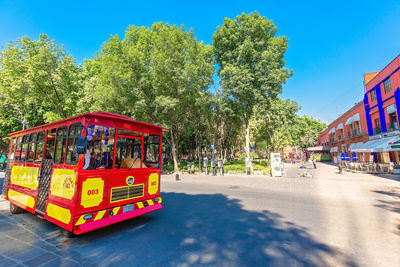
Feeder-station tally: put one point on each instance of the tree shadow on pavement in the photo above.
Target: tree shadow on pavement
(206, 229)
(392, 205)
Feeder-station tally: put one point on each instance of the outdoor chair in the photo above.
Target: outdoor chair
(385, 167)
(371, 167)
(365, 167)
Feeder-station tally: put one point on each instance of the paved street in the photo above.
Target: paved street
(329, 220)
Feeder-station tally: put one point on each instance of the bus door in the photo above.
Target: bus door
(45, 172)
(10, 161)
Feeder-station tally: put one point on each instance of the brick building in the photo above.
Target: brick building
(371, 127)
(346, 132)
(382, 109)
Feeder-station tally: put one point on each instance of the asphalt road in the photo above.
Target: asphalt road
(327, 220)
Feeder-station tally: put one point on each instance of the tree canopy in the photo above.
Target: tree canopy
(162, 75)
(250, 59)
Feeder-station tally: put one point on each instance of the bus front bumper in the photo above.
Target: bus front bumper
(111, 216)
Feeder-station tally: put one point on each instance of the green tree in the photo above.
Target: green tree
(39, 82)
(154, 74)
(306, 131)
(250, 59)
(273, 122)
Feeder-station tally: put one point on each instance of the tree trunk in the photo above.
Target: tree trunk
(248, 137)
(266, 137)
(174, 152)
(247, 134)
(199, 145)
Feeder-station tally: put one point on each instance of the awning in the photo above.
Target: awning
(340, 127)
(354, 146)
(367, 146)
(391, 109)
(318, 148)
(315, 148)
(386, 143)
(378, 145)
(352, 119)
(332, 131)
(334, 149)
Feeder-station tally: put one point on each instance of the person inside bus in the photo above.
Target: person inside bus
(92, 162)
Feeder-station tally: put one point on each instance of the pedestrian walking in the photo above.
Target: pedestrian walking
(315, 163)
(339, 160)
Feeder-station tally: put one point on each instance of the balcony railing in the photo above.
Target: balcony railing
(354, 133)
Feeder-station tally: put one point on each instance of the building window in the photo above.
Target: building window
(377, 126)
(373, 95)
(388, 86)
(393, 122)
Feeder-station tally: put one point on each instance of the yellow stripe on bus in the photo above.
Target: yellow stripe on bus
(115, 210)
(21, 198)
(99, 215)
(81, 220)
(140, 205)
(59, 213)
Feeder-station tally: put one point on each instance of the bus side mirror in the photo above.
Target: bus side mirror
(81, 145)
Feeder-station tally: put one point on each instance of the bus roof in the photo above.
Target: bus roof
(98, 114)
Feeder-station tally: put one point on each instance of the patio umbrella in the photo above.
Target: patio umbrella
(347, 158)
(342, 156)
(355, 156)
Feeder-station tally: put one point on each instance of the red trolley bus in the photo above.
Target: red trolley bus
(85, 172)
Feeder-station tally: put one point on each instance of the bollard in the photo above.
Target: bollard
(177, 176)
(220, 166)
(205, 164)
(214, 171)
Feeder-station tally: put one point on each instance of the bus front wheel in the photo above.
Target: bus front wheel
(14, 209)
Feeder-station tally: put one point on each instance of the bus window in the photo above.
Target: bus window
(100, 144)
(31, 147)
(73, 134)
(13, 142)
(61, 143)
(24, 150)
(129, 153)
(151, 150)
(39, 147)
(51, 138)
(18, 147)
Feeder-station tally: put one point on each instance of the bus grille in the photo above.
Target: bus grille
(126, 192)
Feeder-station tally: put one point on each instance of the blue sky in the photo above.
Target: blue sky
(331, 43)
